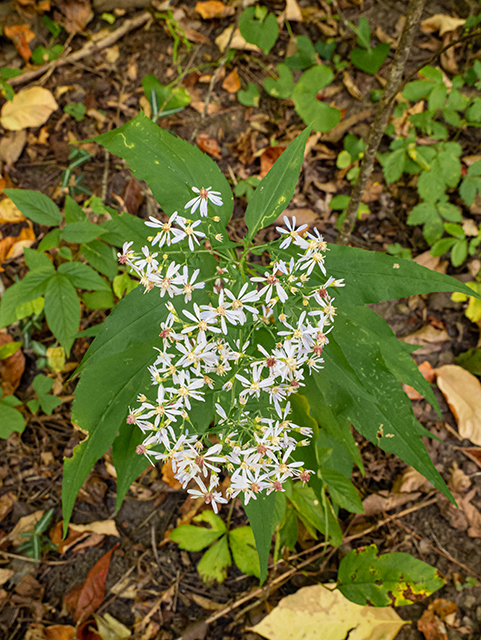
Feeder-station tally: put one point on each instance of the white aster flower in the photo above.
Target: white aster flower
(210, 496)
(189, 232)
(202, 199)
(291, 232)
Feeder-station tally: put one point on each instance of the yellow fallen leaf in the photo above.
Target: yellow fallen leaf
(462, 391)
(110, 628)
(442, 23)
(232, 82)
(315, 612)
(112, 53)
(293, 12)
(237, 41)
(9, 212)
(11, 146)
(29, 108)
(5, 574)
(213, 9)
(104, 527)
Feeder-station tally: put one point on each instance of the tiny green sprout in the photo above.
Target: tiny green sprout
(76, 109)
(47, 402)
(38, 543)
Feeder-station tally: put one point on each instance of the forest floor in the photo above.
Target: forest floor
(152, 587)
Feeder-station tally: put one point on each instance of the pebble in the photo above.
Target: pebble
(469, 601)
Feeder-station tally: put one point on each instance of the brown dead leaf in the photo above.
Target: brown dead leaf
(59, 632)
(231, 82)
(199, 106)
(9, 212)
(350, 85)
(112, 54)
(6, 504)
(443, 608)
(29, 108)
(104, 527)
(11, 146)
(372, 192)
(213, 9)
(75, 16)
(12, 368)
(302, 216)
(386, 501)
(5, 575)
(428, 373)
(411, 480)
(168, 476)
(209, 145)
(5, 245)
(292, 11)
(431, 262)
(459, 481)
(20, 35)
(268, 157)
(431, 626)
(24, 525)
(237, 41)
(462, 391)
(472, 514)
(433, 339)
(196, 36)
(442, 23)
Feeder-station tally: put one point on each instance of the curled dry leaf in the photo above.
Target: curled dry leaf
(462, 391)
(231, 82)
(350, 85)
(433, 339)
(20, 35)
(386, 501)
(411, 480)
(59, 632)
(76, 15)
(293, 11)
(29, 108)
(213, 9)
(11, 146)
(442, 23)
(12, 368)
(9, 212)
(237, 41)
(431, 626)
(303, 614)
(168, 476)
(209, 145)
(459, 481)
(24, 525)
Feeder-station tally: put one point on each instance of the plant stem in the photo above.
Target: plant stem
(381, 118)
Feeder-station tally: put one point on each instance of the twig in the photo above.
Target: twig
(15, 556)
(90, 47)
(263, 592)
(381, 119)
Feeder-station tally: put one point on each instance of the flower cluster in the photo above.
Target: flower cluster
(247, 341)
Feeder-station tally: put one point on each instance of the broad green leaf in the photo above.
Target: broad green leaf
(10, 420)
(263, 518)
(123, 284)
(127, 462)
(417, 90)
(431, 186)
(73, 212)
(277, 188)
(244, 552)
(83, 277)
(249, 97)
(49, 241)
(125, 225)
(8, 349)
(315, 113)
(314, 514)
(49, 403)
(390, 579)
(62, 310)
(449, 212)
(100, 256)
(370, 60)
(263, 33)
(167, 98)
(459, 252)
(35, 206)
(437, 97)
(469, 188)
(42, 384)
(432, 73)
(30, 288)
(305, 56)
(283, 86)
(215, 562)
(342, 491)
(99, 299)
(83, 231)
(394, 165)
(363, 33)
(37, 260)
(289, 529)
(372, 277)
(169, 165)
(194, 538)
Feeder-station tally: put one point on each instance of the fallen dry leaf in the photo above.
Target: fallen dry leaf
(104, 527)
(213, 9)
(196, 36)
(110, 628)
(352, 88)
(76, 15)
(386, 501)
(20, 35)
(24, 525)
(208, 145)
(459, 481)
(11, 368)
(11, 146)
(59, 632)
(112, 54)
(6, 504)
(442, 23)
(302, 615)
(292, 11)
(433, 339)
(9, 212)
(411, 480)
(29, 108)
(5, 574)
(428, 373)
(231, 82)
(431, 626)
(168, 476)
(462, 391)
(431, 262)
(237, 41)
(302, 216)
(268, 157)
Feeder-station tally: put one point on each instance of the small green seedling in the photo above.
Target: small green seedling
(259, 27)
(365, 57)
(247, 187)
(10, 418)
(47, 402)
(37, 542)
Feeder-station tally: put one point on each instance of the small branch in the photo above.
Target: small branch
(90, 47)
(381, 118)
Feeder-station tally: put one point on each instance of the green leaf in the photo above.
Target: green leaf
(394, 165)
(277, 188)
(455, 230)
(215, 562)
(62, 310)
(249, 97)
(289, 529)
(76, 109)
(459, 252)
(83, 277)
(83, 231)
(417, 90)
(316, 114)
(194, 538)
(437, 97)
(37, 260)
(263, 518)
(124, 226)
(123, 284)
(10, 420)
(363, 33)
(169, 165)
(49, 403)
(469, 188)
(30, 288)
(244, 552)
(35, 206)
(73, 212)
(42, 384)
(471, 360)
(325, 49)
(442, 246)
(390, 579)
(262, 33)
(305, 56)
(431, 186)
(7, 73)
(339, 203)
(101, 257)
(49, 241)
(342, 490)
(284, 86)
(7, 350)
(167, 98)
(314, 515)
(432, 73)
(449, 212)
(99, 299)
(370, 60)
(127, 462)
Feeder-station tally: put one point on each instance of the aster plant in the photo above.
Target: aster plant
(246, 365)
